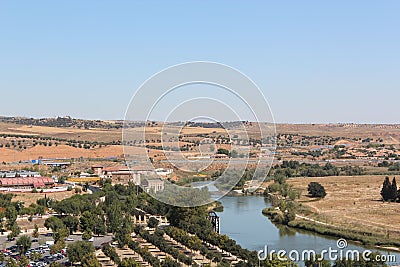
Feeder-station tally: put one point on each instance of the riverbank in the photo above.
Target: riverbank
(352, 209)
(242, 221)
(366, 238)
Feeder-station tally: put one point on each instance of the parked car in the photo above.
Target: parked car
(58, 256)
(13, 248)
(6, 252)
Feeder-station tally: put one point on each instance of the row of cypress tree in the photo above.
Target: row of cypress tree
(389, 190)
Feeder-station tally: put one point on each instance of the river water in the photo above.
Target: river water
(243, 221)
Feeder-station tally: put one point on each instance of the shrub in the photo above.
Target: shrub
(316, 190)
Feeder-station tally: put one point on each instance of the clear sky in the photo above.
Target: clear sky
(315, 61)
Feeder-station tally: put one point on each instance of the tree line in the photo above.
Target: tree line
(389, 191)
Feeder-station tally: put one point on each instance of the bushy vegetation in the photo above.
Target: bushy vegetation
(297, 169)
(364, 237)
(62, 122)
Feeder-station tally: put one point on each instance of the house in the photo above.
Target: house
(98, 170)
(121, 175)
(84, 175)
(27, 182)
(29, 174)
(125, 176)
(60, 164)
(9, 174)
(163, 172)
(152, 185)
(142, 170)
(23, 173)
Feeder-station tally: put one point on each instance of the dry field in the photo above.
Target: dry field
(61, 151)
(389, 133)
(352, 203)
(29, 198)
(100, 135)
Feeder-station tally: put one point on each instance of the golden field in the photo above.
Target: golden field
(352, 202)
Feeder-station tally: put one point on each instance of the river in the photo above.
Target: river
(243, 221)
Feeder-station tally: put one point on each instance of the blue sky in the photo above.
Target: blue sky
(315, 61)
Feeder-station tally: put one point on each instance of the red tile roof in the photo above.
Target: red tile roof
(28, 181)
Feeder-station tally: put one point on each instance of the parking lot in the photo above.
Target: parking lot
(42, 245)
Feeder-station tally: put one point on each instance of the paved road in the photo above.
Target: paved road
(98, 240)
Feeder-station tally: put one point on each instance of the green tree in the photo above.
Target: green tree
(128, 262)
(317, 260)
(53, 223)
(274, 187)
(11, 216)
(62, 179)
(35, 256)
(99, 226)
(316, 190)
(123, 235)
(58, 246)
(386, 191)
(153, 222)
(78, 250)
(90, 261)
(87, 221)
(86, 236)
(280, 179)
(24, 243)
(361, 262)
(11, 262)
(35, 233)
(71, 222)
(393, 193)
(1, 222)
(223, 151)
(114, 215)
(289, 216)
(39, 210)
(15, 230)
(292, 194)
(398, 196)
(61, 234)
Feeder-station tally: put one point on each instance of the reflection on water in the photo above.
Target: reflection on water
(284, 230)
(243, 221)
(209, 184)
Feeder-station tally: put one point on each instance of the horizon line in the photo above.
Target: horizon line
(122, 120)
